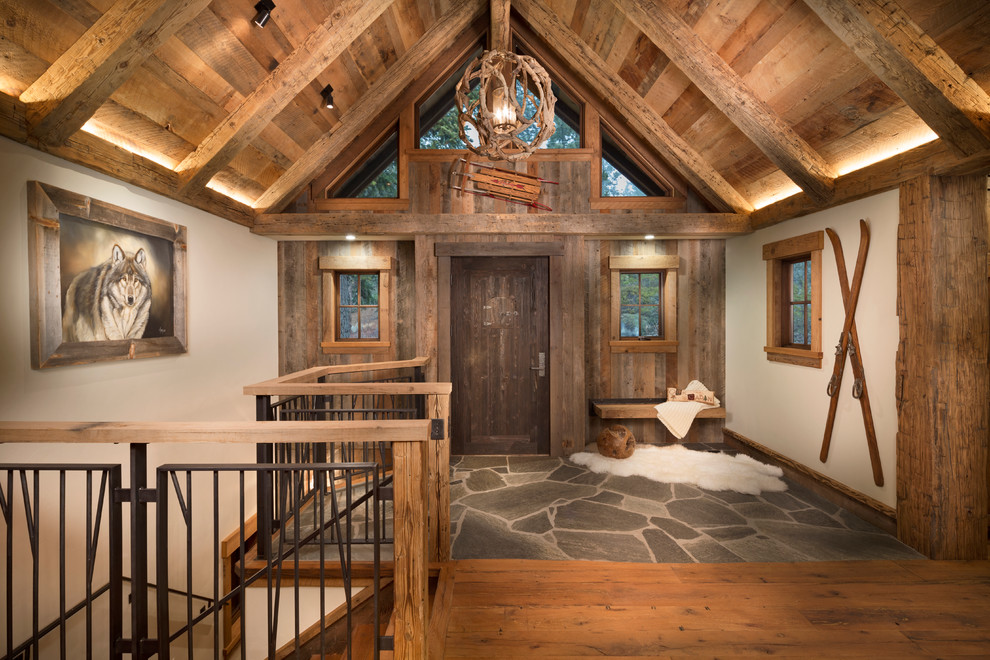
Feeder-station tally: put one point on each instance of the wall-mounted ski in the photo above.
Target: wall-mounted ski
(849, 343)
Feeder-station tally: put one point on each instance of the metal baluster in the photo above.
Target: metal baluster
(161, 573)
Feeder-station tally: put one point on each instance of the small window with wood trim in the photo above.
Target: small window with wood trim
(796, 305)
(794, 309)
(643, 303)
(641, 308)
(356, 303)
(357, 306)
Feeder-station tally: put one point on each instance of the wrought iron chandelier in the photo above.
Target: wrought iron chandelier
(514, 95)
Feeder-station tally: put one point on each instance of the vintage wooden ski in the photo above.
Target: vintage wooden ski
(860, 390)
(849, 302)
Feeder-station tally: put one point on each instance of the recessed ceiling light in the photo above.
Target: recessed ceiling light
(350, 237)
(650, 237)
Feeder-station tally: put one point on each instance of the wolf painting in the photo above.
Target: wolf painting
(109, 301)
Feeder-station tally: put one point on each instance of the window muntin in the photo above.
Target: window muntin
(797, 302)
(357, 306)
(641, 305)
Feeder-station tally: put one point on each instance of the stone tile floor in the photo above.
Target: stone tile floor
(532, 507)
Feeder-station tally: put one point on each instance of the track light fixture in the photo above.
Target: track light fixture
(264, 9)
(327, 95)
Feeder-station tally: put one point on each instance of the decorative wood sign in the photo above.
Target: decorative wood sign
(497, 183)
(106, 283)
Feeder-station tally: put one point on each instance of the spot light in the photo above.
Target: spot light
(649, 237)
(264, 9)
(350, 237)
(327, 95)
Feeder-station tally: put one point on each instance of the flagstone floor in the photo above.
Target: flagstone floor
(526, 507)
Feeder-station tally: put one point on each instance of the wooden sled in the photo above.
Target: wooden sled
(497, 183)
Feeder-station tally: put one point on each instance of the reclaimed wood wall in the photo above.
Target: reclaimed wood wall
(429, 175)
(700, 333)
(582, 365)
(300, 302)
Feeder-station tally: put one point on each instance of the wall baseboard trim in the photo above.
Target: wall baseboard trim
(871, 510)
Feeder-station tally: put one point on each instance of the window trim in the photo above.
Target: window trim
(359, 306)
(331, 266)
(667, 265)
(777, 255)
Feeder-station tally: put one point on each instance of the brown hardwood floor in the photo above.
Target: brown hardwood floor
(874, 609)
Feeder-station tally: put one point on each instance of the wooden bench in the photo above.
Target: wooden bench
(640, 409)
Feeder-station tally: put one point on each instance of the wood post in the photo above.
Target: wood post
(438, 407)
(942, 372)
(410, 465)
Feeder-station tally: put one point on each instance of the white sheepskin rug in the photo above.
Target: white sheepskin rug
(675, 464)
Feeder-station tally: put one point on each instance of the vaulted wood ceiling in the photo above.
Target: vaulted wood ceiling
(749, 100)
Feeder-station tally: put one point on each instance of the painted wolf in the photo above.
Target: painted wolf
(109, 301)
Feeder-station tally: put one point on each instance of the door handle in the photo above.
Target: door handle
(541, 364)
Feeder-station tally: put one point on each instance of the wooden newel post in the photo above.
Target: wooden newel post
(438, 408)
(410, 466)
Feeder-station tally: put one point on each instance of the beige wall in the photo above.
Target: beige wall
(232, 311)
(783, 406)
(233, 341)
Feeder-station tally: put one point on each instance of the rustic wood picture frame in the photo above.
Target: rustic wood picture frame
(47, 207)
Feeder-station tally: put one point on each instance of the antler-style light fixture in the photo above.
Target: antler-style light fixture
(327, 95)
(264, 9)
(514, 95)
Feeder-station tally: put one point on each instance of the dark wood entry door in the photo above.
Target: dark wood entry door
(500, 355)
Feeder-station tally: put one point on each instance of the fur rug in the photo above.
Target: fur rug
(675, 464)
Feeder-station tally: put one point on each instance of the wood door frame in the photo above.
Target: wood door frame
(552, 249)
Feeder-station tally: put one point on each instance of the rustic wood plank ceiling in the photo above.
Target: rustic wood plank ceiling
(749, 100)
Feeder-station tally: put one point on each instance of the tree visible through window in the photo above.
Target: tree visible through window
(357, 306)
(640, 305)
(439, 127)
(794, 299)
(621, 175)
(378, 176)
(798, 302)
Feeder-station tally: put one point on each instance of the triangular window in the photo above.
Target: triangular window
(378, 176)
(438, 127)
(622, 176)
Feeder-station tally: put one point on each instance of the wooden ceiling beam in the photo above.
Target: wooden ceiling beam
(629, 225)
(345, 23)
(499, 34)
(410, 66)
(83, 78)
(733, 96)
(934, 158)
(101, 156)
(637, 112)
(909, 61)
